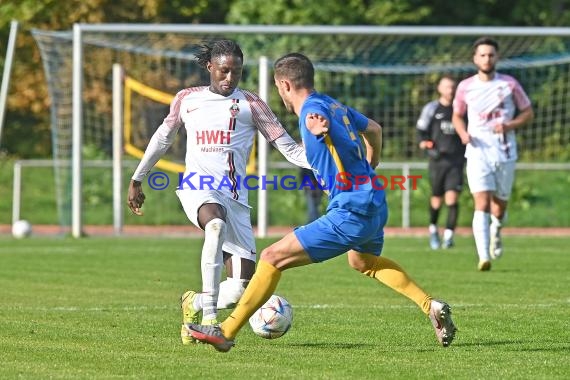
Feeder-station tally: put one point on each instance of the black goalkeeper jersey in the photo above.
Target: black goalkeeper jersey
(435, 125)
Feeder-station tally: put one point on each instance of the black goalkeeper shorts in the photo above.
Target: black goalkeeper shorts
(445, 175)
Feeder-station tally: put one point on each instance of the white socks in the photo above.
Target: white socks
(481, 234)
(447, 234)
(496, 222)
(231, 291)
(212, 263)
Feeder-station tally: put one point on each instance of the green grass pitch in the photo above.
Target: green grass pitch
(107, 308)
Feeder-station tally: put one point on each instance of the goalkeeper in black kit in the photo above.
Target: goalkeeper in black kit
(437, 137)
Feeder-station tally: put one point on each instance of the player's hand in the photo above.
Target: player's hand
(465, 138)
(500, 128)
(316, 124)
(426, 144)
(135, 197)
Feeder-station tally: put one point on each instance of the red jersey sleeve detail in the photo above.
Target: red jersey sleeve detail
(520, 97)
(263, 117)
(173, 119)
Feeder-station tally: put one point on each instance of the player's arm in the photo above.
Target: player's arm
(291, 150)
(372, 137)
(523, 104)
(423, 126)
(524, 117)
(269, 126)
(461, 128)
(459, 110)
(159, 143)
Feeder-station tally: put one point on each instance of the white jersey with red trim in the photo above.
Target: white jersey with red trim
(487, 104)
(220, 136)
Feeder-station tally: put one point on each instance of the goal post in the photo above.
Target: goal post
(5, 86)
(118, 130)
(387, 72)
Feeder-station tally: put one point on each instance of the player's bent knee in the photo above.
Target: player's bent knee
(215, 226)
(361, 263)
(361, 267)
(358, 265)
(270, 255)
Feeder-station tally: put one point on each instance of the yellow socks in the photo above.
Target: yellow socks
(260, 288)
(392, 275)
(266, 277)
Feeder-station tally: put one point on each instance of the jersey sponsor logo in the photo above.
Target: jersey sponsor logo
(234, 110)
(494, 114)
(215, 137)
(447, 128)
(211, 149)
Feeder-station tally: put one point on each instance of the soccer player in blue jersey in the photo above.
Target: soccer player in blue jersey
(356, 213)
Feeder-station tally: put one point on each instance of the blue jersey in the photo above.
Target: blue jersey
(338, 158)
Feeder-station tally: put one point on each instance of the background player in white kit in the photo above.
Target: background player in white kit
(221, 122)
(496, 104)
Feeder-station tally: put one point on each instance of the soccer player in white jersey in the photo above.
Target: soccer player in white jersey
(496, 105)
(221, 122)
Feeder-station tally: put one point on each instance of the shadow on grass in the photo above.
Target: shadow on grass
(563, 347)
(334, 345)
(377, 347)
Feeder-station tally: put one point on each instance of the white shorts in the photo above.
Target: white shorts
(239, 233)
(496, 177)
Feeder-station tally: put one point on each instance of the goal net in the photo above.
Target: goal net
(388, 73)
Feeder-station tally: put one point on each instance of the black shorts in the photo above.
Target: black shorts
(445, 175)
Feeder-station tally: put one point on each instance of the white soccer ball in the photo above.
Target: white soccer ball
(21, 229)
(273, 319)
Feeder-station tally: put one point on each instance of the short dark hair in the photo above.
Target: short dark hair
(218, 48)
(485, 41)
(297, 68)
(446, 76)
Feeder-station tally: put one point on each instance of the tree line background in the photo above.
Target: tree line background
(27, 126)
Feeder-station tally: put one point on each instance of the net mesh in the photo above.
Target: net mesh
(389, 77)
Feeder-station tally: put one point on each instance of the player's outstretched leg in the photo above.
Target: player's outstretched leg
(392, 275)
(261, 287)
(440, 315)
